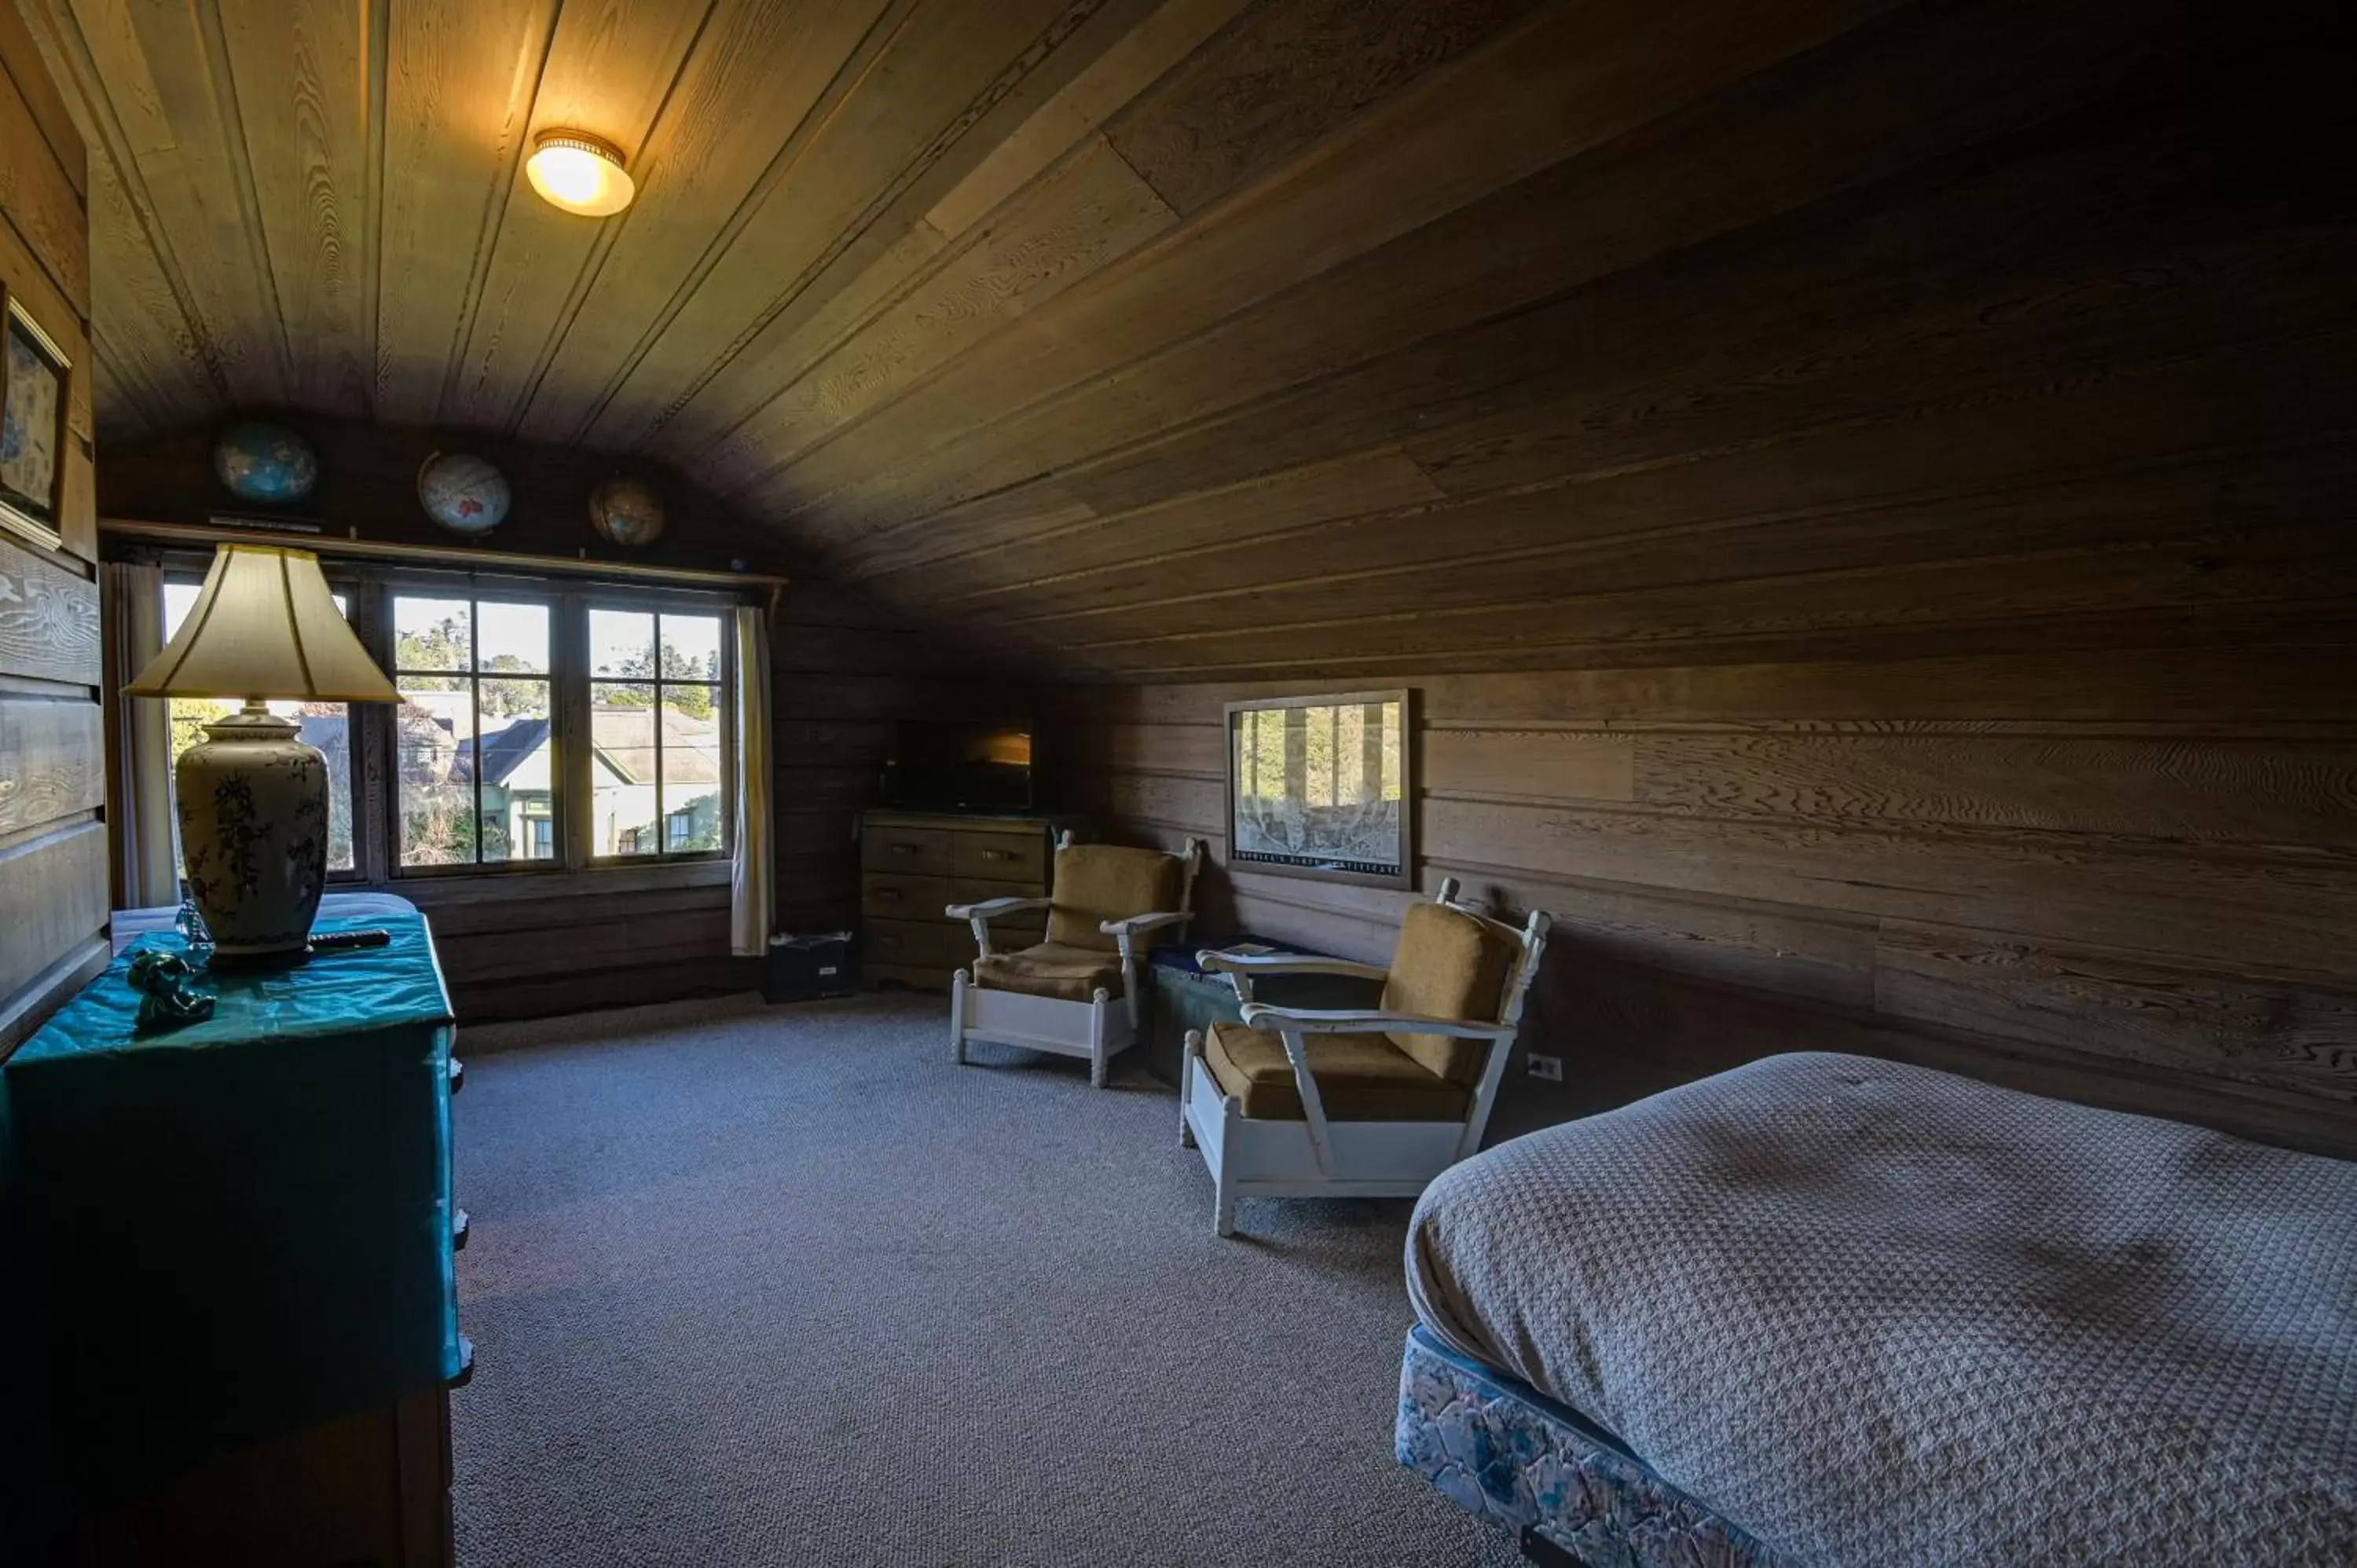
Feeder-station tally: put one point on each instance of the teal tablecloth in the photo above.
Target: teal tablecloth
(234, 1230)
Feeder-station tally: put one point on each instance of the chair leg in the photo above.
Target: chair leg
(1097, 1021)
(1187, 1086)
(1224, 1198)
(957, 1017)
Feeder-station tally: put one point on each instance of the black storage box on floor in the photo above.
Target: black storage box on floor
(807, 969)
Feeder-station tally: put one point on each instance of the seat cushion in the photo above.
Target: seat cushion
(1361, 1078)
(1052, 969)
(1453, 966)
(1101, 882)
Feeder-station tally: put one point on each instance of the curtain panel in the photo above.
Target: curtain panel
(753, 902)
(146, 848)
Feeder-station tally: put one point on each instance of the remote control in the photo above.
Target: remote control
(331, 941)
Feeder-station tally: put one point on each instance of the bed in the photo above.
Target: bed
(1831, 1311)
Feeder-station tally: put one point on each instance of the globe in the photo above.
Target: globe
(627, 511)
(265, 463)
(464, 494)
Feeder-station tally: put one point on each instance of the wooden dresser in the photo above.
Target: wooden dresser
(913, 863)
(238, 1301)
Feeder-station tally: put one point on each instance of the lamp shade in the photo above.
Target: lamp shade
(264, 626)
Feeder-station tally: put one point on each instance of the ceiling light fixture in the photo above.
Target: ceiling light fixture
(578, 173)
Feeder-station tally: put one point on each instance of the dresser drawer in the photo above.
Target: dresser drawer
(921, 852)
(937, 944)
(1001, 857)
(892, 896)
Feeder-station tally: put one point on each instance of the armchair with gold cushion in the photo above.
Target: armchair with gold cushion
(1058, 995)
(1298, 1104)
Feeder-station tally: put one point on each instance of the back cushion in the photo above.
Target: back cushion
(1450, 965)
(1101, 882)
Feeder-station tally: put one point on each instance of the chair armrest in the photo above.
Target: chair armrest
(1312, 1021)
(992, 908)
(1136, 924)
(1213, 962)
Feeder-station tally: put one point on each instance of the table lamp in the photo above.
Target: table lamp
(254, 796)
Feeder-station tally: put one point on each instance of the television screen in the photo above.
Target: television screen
(957, 765)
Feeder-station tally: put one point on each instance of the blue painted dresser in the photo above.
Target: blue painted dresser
(240, 1229)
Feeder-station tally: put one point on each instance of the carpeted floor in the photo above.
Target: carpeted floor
(756, 1285)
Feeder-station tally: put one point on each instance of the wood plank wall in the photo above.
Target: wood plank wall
(845, 672)
(2124, 875)
(52, 841)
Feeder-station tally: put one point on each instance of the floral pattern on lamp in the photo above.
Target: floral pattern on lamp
(253, 832)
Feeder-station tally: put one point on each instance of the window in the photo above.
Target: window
(543, 724)
(327, 725)
(658, 767)
(476, 762)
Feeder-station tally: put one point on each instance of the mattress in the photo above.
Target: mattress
(1875, 1315)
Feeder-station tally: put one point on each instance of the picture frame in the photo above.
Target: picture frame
(1323, 787)
(34, 387)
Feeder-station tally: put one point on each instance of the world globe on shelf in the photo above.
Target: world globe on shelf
(627, 511)
(265, 463)
(464, 494)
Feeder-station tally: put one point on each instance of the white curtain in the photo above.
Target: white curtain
(148, 867)
(754, 903)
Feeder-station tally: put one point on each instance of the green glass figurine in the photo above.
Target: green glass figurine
(169, 993)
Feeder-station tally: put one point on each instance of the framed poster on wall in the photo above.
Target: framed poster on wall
(1322, 787)
(32, 372)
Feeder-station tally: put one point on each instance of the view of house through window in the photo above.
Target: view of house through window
(478, 767)
(326, 725)
(655, 713)
(476, 756)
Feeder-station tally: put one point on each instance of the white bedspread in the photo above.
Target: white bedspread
(1878, 1315)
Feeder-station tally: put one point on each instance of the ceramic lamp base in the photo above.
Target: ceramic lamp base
(253, 835)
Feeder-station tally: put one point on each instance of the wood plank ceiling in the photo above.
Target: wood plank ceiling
(1214, 338)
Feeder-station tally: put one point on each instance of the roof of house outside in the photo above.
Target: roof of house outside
(622, 738)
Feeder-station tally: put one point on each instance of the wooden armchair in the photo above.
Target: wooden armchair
(1057, 996)
(1296, 1103)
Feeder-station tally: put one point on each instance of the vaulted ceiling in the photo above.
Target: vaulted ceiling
(1198, 338)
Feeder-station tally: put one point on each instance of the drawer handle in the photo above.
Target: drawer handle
(905, 848)
(888, 894)
(889, 941)
(998, 854)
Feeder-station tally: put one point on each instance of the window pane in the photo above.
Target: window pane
(436, 790)
(621, 642)
(691, 647)
(432, 634)
(519, 771)
(691, 770)
(623, 813)
(326, 725)
(511, 637)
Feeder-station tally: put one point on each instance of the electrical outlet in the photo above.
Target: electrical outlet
(1547, 1068)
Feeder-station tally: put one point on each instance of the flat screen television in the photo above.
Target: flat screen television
(959, 766)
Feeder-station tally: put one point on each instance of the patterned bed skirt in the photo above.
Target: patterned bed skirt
(1517, 1459)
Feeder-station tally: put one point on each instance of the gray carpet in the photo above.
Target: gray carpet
(758, 1286)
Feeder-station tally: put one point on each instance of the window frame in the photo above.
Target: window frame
(657, 601)
(475, 589)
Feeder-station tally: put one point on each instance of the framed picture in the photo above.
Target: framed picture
(1322, 787)
(32, 372)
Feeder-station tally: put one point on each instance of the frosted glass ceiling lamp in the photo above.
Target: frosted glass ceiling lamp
(578, 173)
(252, 795)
